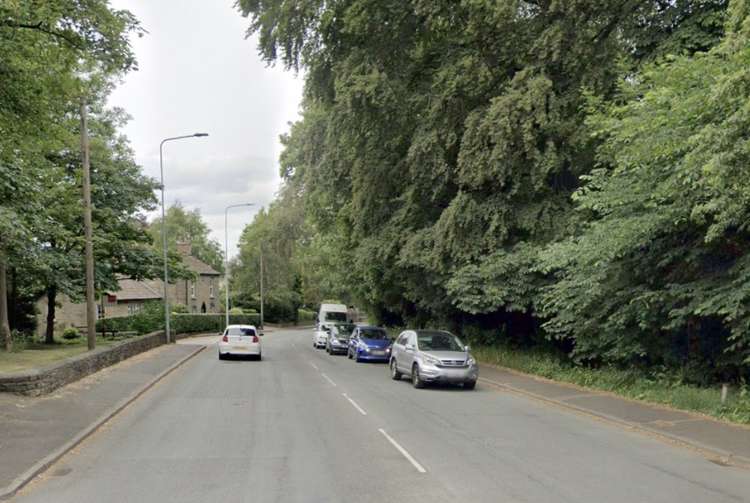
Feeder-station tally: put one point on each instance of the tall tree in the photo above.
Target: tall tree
(188, 226)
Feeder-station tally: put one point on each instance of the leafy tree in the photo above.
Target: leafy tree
(185, 226)
(44, 48)
(659, 267)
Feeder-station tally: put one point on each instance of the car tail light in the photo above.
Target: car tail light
(225, 338)
(255, 339)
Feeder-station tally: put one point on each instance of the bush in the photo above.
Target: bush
(145, 322)
(236, 310)
(179, 309)
(71, 333)
(306, 315)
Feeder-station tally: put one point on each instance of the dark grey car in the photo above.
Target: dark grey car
(433, 356)
(338, 338)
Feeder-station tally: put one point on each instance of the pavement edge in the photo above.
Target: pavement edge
(11, 489)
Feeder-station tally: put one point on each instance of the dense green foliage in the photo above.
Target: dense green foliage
(54, 55)
(570, 172)
(151, 319)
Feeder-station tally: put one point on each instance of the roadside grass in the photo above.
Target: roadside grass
(661, 387)
(33, 354)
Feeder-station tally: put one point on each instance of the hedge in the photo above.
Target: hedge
(146, 322)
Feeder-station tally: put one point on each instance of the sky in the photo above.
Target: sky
(198, 73)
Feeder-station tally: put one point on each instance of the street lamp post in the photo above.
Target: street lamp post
(226, 255)
(164, 227)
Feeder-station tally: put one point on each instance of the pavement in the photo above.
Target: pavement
(303, 426)
(720, 441)
(38, 430)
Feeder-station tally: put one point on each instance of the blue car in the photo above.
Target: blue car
(370, 344)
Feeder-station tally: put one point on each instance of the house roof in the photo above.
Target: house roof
(131, 289)
(198, 266)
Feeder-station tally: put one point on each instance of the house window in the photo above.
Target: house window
(211, 289)
(134, 307)
(192, 289)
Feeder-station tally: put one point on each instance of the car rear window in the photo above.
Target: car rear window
(240, 331)
(332, 316)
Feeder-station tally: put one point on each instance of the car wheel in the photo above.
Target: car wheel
(416, 380)
(395, 374)
(349, 354)
(470, 385)
(260, 357)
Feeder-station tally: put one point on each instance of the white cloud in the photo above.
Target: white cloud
(199, 74)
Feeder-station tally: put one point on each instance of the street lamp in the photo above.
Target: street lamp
(226, 254)
(164, 226)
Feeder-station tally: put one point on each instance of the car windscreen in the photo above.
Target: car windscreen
(240, 331)
(438, 341)
(332, 316)
(345, 330)
(373, 333)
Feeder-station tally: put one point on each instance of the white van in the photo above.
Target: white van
(330, 314)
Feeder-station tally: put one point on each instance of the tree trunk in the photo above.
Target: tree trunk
(4, 324)
(49, 334)
(13, 316)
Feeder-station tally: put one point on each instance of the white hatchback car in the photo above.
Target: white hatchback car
(240, 340)
(320, 337)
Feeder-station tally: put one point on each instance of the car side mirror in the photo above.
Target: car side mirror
(261, 334)
(467, 348)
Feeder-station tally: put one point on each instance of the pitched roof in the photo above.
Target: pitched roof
(131, 289)
(198, 266)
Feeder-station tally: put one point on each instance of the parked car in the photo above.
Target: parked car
(337, 341)
(369, 343)
(433, 356)
(240, 340)
(320, 338)
(332, 314)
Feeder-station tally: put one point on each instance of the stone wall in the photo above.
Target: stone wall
(41, 381)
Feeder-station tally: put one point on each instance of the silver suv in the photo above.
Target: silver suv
(433, 356)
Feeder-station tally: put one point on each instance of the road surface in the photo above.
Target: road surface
(303, 426)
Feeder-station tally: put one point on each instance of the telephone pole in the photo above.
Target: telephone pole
(88, 233)
(261, 287)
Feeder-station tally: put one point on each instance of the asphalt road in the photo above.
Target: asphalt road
(302, 426)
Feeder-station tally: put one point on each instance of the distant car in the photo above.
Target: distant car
(240, 340)
(433, 356)
(320, 337)
(369, 343)
(337, 341)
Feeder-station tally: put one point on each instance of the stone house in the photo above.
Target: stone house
(200, 295)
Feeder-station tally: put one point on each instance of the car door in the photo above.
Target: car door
(353, 342)
(410, 348)
(398, 348)
(403, 357)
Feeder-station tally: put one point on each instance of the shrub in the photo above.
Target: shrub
(306, 315)
(179, 309)
(71, 333)
(236, 310)
(180, 323)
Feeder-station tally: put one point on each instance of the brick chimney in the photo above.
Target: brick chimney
(185, 248)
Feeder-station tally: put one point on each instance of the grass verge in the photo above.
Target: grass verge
(662, 386)
(37, 355)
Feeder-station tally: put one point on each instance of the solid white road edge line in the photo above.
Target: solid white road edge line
(403, 451)
(328, 379)
(360, 409)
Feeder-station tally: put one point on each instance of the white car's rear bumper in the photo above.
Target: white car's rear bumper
(227, 348)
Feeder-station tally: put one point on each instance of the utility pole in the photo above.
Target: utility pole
(90, 303)
(261, 287)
